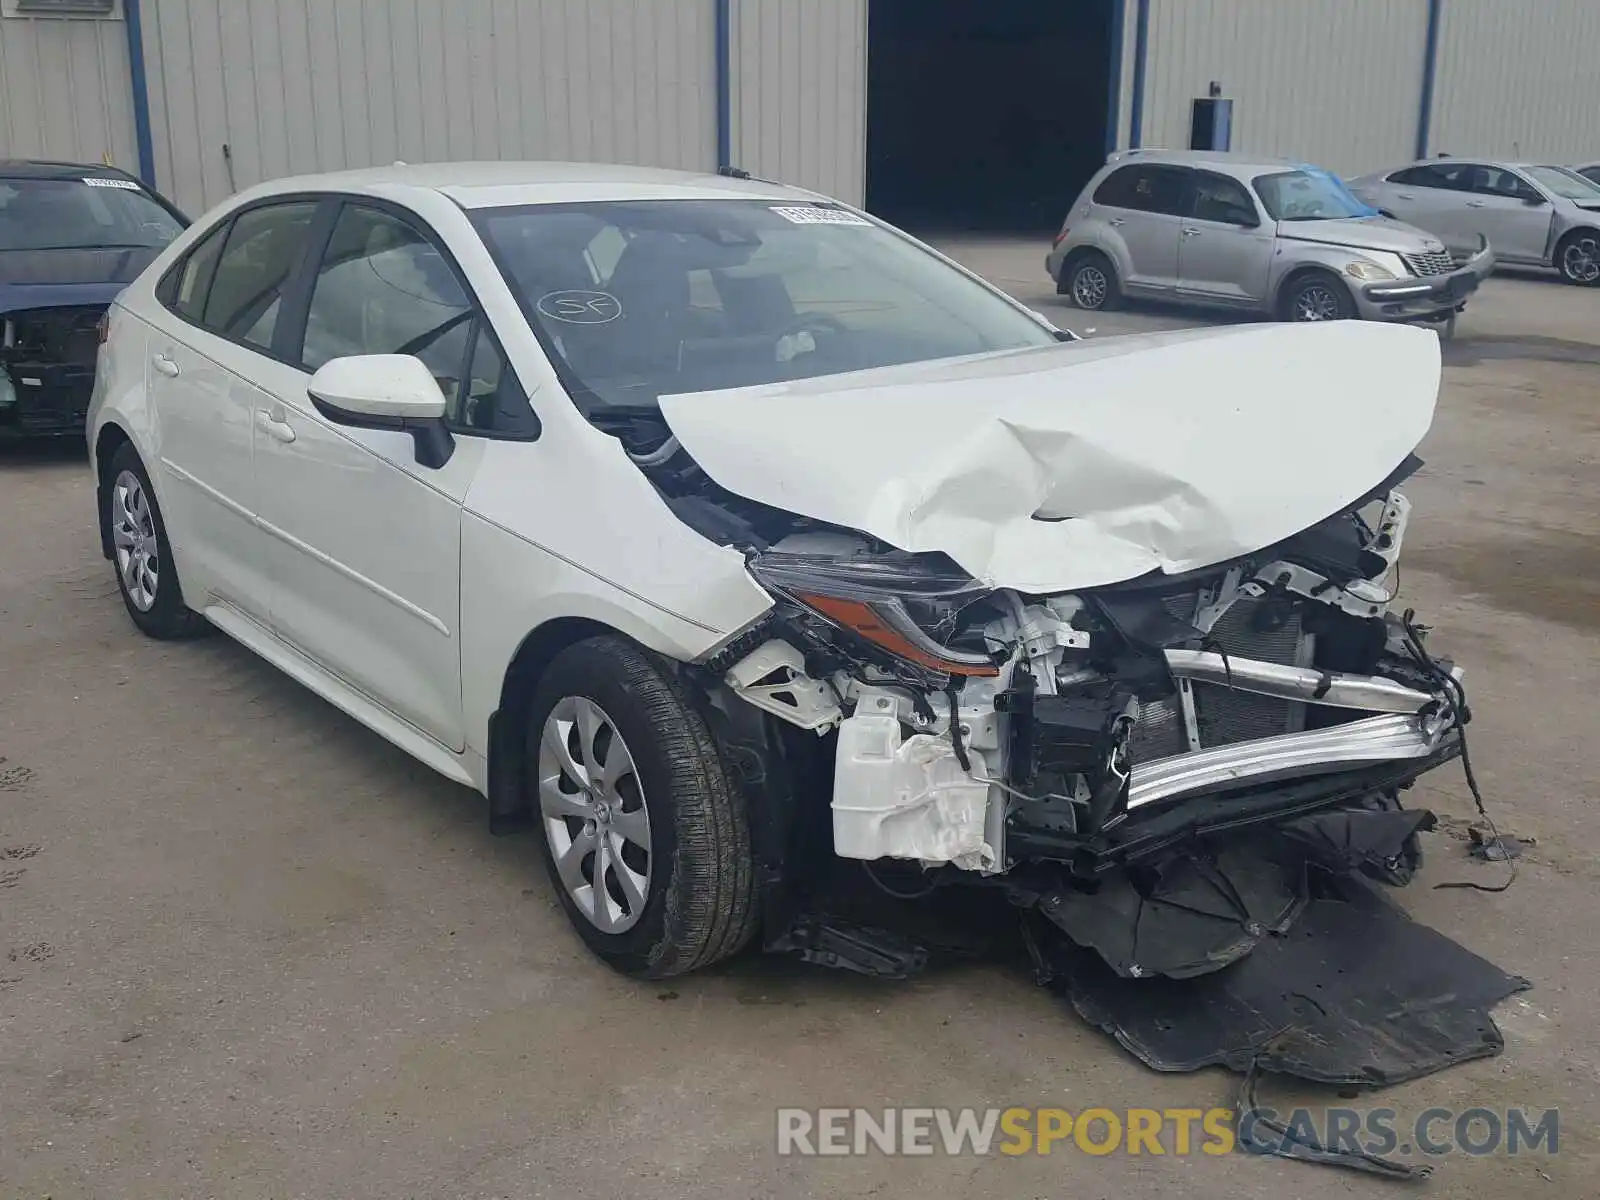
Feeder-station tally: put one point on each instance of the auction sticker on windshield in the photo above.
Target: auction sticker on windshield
(815, 214)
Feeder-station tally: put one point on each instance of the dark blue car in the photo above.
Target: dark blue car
(71, 237)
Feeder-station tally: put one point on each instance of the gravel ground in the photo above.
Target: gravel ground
(249, 950)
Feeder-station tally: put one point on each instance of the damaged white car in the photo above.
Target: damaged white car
(725, 535)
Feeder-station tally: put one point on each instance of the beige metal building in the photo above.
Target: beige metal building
(949, 112)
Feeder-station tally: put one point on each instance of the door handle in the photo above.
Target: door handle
(1187, 232)
(1474, 203)
(1117, 222)
(281, 430)
(1404, 196)
(165, 365)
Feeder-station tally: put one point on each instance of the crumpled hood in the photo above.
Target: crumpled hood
(1363, 233)
(1087, 463)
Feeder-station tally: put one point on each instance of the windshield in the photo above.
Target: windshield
(1569, 185)
(81, 214)
(637, 300)
(1308, 194)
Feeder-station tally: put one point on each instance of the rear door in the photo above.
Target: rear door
(1225, 248)
(223, 301)
(1143, 204)
(1431, 196)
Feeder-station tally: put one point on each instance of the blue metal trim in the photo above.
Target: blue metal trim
(1141, 44)
(139, 86)
(1119, 18)
(724, 21)
(1430, 63)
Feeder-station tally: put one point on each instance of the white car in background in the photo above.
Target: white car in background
(1532, 214)
(725, 532)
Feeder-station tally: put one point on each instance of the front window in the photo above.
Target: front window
(1308, 194)
(637, 300)
(1569, 185)
(82, 214)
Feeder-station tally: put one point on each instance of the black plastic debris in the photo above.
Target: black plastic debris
(1381, 842)
(1193, 913)
(1356, 993)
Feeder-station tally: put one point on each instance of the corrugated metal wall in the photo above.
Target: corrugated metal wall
(64, 90)
(799, 82)
(1515, 83)
(1337, 82)
(309, 85)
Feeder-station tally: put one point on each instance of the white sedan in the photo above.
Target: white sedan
(726, 533)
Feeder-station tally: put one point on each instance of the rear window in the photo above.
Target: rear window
(91, 213)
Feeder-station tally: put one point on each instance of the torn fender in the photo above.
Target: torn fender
(1087, 463)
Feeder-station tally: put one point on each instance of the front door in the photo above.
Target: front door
(1510, 212)
(363, 542)
(1224, 248)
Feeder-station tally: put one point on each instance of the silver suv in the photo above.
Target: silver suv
(1255, 234)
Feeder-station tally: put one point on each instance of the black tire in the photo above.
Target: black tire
(1578, 258)
(167, 618)
(700, 904)
(1089, 281)
(1316, 291)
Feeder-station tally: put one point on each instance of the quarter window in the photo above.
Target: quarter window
(190, 279)
(383, 288)
(262, 251)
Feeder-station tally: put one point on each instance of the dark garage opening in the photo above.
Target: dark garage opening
(985, 114)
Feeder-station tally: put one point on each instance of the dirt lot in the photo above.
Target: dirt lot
(249, 950)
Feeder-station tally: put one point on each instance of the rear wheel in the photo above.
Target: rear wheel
(644, 829)
(147, 577)
(1090, 281)
(1317, 296)
(1578, 257)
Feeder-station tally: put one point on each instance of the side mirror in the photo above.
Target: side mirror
(1533, 201)
(1243, 217)
(386, 391)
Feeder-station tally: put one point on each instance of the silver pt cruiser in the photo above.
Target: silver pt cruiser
(1255, 234)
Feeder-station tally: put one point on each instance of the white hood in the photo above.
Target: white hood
(1091, 462)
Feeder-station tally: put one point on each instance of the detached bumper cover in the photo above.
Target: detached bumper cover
(1416, 294)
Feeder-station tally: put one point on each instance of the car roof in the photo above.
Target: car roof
(1240, 165)
(35, 168)
(500, 184)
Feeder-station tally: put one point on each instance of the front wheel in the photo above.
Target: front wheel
(1578, 257)
(644, 828)
(1318, 296)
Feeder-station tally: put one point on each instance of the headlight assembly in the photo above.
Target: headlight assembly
(1368, 271)
(897, 606)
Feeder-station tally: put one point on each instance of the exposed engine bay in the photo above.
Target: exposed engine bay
(47, 365)
(1067, 747)
(1162, 775)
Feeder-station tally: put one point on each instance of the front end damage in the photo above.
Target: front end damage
(47, 366)
(1149, 766)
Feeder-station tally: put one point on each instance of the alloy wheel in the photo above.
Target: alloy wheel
(592, 807)
(133, 536)
(1316, 302)
(1581, 260)
(1089, 287)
